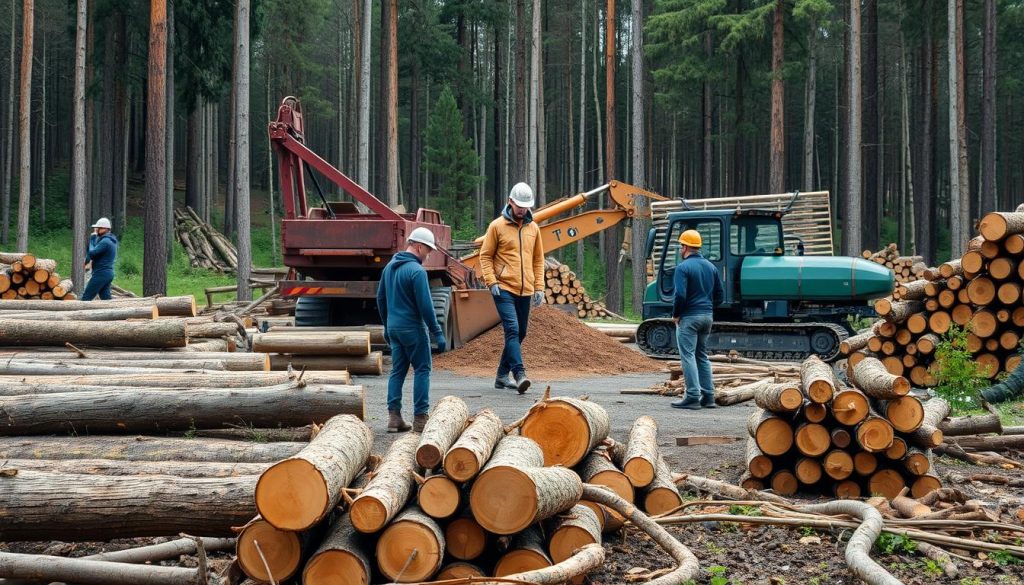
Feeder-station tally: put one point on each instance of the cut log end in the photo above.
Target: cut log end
(368, 514)
(461, 464)
(562, 430)
(409, 552)
(336, 567)
(521, 561)
(439, 497)
(639, 471)
(662, 499)
(292, 494)
(281, 549)
(465, 539)
(518, 505)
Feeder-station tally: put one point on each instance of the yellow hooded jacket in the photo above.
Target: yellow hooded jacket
(512, 254)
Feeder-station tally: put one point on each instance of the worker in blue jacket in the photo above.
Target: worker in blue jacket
(698, 288)
(101, 254)
(407, 311)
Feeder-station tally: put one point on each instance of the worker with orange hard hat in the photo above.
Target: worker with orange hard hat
(697, 289)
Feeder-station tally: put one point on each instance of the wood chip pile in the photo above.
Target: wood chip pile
(905, 268)
(563, 287)
(23, 276)
(981, 292)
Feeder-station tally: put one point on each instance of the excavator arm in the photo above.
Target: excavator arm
(557, 233)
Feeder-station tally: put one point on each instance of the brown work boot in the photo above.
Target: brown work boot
(395, 422)
(419, 422)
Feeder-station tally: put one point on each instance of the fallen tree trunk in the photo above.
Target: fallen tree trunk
(45, 506)
(566, 429)
(145, 449)
(994, 443)
(473, 448)
(46, 569)
(158, 333)
(232, 361)
(447, 420)
(300, 491)
(975, 424)
(20, 385)
(114, 314)
(371, 364)
(641, 457)
(723, 489)
(319, 343)
(211, 330)
(114, 410)
(184, 306)
(387, 492)
(114, 467)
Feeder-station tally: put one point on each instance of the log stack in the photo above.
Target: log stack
(330, 349)
(904, 268)
(205, 246)
(466, 497)
(820, 436)
(23, 276)
(563, 287)
(980, 292)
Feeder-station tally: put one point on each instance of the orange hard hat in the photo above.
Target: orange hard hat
(690, 238)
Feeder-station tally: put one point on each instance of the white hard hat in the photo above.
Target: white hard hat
(102, 223)
(423, 236)
(522, 195)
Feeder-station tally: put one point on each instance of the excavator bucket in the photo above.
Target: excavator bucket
(473, 313)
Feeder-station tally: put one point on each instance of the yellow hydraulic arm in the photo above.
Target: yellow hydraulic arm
(563, 232)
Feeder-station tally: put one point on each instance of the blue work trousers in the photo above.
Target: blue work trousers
(99, 284)
(409, 347)
(514, 311)
(692, 336)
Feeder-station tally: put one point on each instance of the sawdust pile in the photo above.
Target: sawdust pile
(557, 346)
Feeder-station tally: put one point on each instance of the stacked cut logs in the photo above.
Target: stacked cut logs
(23, 276)
(205, 246)
(980, 292)
(731, 375)
(905, 268)
(563, 287)
(818, 435)
(329, 348)
(467, 497)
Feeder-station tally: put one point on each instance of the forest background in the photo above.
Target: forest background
(905, 110)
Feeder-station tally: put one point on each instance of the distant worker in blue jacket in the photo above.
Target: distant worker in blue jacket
(407, 312)
(698, 288)
(101, 254)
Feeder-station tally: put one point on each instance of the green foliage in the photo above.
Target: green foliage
(893, 543)
(451, 159)
(717, 573)
(958, 375)
(737, 510)
(971, 581)
(807, 531)
(932, 567)
(1004, 558)
(203, 54)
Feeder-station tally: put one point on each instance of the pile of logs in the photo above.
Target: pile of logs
(905, 268)
(466, 498)
(326, 348)
(563, 287)
(980, 292)
(23, 276)
(205, 246)
(819, 435)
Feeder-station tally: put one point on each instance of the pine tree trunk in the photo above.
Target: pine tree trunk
(391, 105)
(777, 180)
(169, 147)
(240, 119)
(851, 192)
(536, 62)
(638, 230)
(78, 162)
(43, 158)
(613, 267)
(154, 269)
(988, 110)
(25, 123)
(8, 178)
(363, 176)
(870, 148)
(810, 98)
(520, 168)
(707, 139)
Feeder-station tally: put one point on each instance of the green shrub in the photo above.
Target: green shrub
(959, 377)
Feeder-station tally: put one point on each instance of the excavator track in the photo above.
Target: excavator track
(761, 341)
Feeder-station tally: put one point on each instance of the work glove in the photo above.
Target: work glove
(495, 290)
(538, 298)
(442, 343)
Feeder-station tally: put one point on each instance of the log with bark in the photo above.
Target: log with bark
(928, 434)
(231, 361)
(774, 435)
(300, 491)
(159, 333)
(355, 343)
(473, 448)
(411, 548)
(112, 314)
(21, 385)
(46, 569)
(526, 552)
(779, 398)
(566, 428)
(641, 456)
(598, 469)
(514, 491)
(572, 530)
(871, 377)
(438, 496)
(181, 306)
(447, 419)
(114, 467)
(146, 449)
(115, 411)
(466, 539)
(389, 489)
(344, 552)
(661, 495)
(817, 380)
(268, 554)
(371, 364)
(46, 505)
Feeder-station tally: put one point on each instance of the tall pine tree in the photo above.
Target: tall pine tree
(451, 160)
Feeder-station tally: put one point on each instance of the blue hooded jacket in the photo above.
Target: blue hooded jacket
(698, 287)
(102, 252)
(403, 296)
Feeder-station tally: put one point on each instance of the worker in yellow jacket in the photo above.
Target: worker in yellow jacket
(512, 262)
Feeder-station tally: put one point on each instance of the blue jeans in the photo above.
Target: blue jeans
(514, 311)
(409, 347)
(692, 336)
(99, 284)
